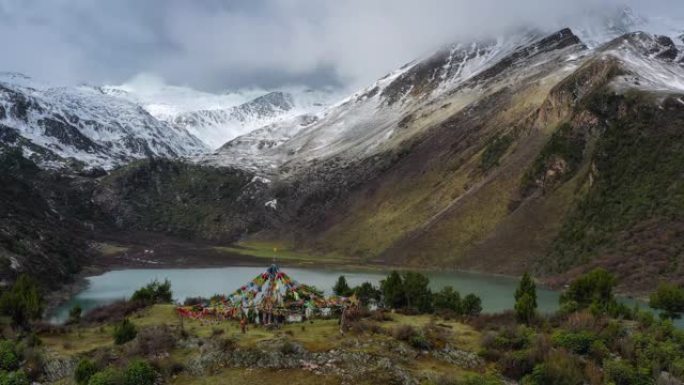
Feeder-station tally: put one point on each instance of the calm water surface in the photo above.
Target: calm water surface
(496, 291)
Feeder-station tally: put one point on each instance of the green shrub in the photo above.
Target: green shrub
(526, 299)
(75, 313)
(577, 342)
(14, 378)
(516, 364)
(471, 305)
(139, 373)
(393, 292)
(620, 372)
(677, 368)
(447, 299)
(645, 318)
(512, 338)
(494, 151)
(367, 292)
(33, 362)
(154, 292)
(108, 376)
(32, 340)
(480, 379)
(9, 359)
(418, 294)
(598, 350)
(594, 288)
(342, 288)
(616, 309)
(124, 332)
(668, 298)
(419, 341)
(23, 302)
(560, 368)
(84, 370)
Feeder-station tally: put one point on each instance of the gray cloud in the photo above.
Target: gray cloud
(220, 44)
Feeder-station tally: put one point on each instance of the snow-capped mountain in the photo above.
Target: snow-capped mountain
(217, 126)
(405, 102)
(217, 118)
(545, 151)
(408, 100)
(247, 150)
(165, 101)
(491, 156)
(56, 125)
(262, 130)
(600, 28)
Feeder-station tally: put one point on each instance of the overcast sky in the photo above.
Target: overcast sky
(224, 44)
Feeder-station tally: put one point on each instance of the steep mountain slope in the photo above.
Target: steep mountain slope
(40, 215)
(415, 182)
(81, 125)
(247, 150)
(403, 103)
(504, 169)
(182, 199)
(51, 222)
(533, 152)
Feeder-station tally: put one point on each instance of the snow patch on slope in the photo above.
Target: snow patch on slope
(217, 118)
(650, 60)
(165, 101)
(379, 116)
(85, 124)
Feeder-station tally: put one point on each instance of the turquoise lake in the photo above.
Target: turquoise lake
(496, 292)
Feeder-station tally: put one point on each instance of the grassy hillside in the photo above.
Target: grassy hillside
(182, 199)
(629, 217)
(38, 225)
(555, 176)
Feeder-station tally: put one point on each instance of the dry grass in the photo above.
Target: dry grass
(319, 335)
(110, 249)
(258, 376)
(316, 336)
(283, 252)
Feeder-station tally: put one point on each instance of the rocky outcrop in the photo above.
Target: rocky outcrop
(57, 368)
(350, 365)
(460, 358)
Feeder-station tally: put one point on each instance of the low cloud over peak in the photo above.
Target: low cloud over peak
(218, 45)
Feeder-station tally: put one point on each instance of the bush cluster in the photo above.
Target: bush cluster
(410, 291)
(125, 331)
(154, 292)
(137, 372)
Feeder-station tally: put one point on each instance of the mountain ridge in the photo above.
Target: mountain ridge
(494, 156)
(81, 127)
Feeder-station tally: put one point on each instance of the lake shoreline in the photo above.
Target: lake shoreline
(145, 251)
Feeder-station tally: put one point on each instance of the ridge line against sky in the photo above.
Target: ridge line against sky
(217, 45)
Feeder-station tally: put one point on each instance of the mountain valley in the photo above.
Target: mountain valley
(530, 152)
